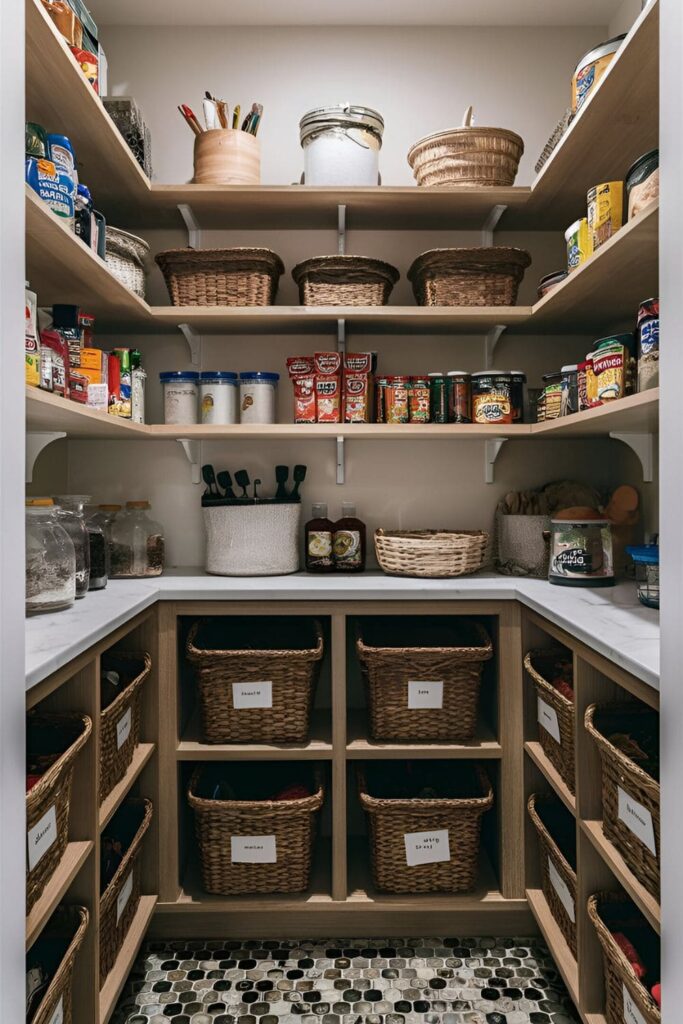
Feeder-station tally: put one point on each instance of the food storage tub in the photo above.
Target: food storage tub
(341, 145)
(258, 396)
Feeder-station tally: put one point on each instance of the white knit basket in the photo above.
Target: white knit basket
(252, 540)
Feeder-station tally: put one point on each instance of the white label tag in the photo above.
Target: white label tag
(58, 1016)
(632, 1014)
(427, 847)
(41, 837)
(425, 693)
(547, 717)
(562, 889)
(638, 819)
(123, 728)
(253, 850)
(124, 896)
(252, 695)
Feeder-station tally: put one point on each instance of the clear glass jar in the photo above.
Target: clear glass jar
(99, 574)
(50, 560)
(71, 515)
(137, 543)
(102, 516)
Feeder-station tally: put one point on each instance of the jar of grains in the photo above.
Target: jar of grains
(102, 516)
(50, 560)
(181, 392)
(218, 396)
(137, 543)
(71, 515)
(258, 392)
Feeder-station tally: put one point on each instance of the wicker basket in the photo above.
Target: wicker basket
(47, 803)
(344, 281)
(393, 819)
(482, 276)
(289, 825)
(396, 655)
(556, 829)
(560, 752)
(221, 277)
(227, 653)
(126, 256)
(62, 937)
(430, 553)
(119, 901)
(120, 721)
(614, 912)
(467, 156)
(619, 772)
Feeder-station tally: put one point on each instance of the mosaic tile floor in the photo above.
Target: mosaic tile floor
(345, 981)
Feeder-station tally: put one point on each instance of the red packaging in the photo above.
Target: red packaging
(87, 62)
(328, 389)
(357, 391)
(86, 325)
(360, 362)
(302, 375)
(78, 387)
(114, 381)
(60, 361)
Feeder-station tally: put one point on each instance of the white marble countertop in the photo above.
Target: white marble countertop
(610, 621)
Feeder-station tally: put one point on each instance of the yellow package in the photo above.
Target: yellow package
(578, 239)
(33, 368)
(605, 211)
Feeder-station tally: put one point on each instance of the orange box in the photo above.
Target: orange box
(94, 376)
(93, 359)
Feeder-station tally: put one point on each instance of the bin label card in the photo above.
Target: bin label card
(123, 728)
(632, 1014)
(123, 897)
(426, 693)
(638, 819)
(562, 889)
(427, 847)
(253, 850)
(41, 837)
(547, 717)
(58, 1015)
(252, 695)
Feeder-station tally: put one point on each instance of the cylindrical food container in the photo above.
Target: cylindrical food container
(491, 397)
(227, 156)
(642, 182)
(258, 392)
(181, 391)
(551, 395)
(252, 540)
(577, 237)
(341, 145)
(591, 68)
(438, 397)
(459, 397)
(605, 212)
(418, 400)
(518, 396)
(648, 344)
(581, 553)
(569, 395)
(396, 402)
(218, 396)
(550, 281)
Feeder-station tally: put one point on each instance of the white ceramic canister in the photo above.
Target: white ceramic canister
(258, 394)
(341, 145)
(218, 396)
(181, 391)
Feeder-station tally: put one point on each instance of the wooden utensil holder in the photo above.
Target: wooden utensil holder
(227, 156)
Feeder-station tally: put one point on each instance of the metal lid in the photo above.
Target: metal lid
(457, 373)
(341, 115)
(609, 46)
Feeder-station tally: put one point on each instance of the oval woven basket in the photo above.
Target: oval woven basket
(221, 277)
(344, 281)
(430, 553)
(467, 156)
(481, 276)
(126, 256)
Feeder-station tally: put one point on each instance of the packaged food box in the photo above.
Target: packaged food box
(301, 371)
(78, 387)
(328, 386)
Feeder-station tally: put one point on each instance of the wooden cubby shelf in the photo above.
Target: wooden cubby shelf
(318, 747)
(557, 944)
(141, 756)
(116, 979)
(360, 747)
(535, 751)
(645, 902)
(68, 868)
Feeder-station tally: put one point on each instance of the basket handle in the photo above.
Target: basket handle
(467, 118)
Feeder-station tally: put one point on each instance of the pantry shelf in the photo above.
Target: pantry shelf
(116, 978)
(361, 747)
(646, 903)
(71, 863)
(46, 411)
(141, 756)
(535, 751)
(318, 747)
(557, 943)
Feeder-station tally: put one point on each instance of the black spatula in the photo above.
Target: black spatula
(298, 476)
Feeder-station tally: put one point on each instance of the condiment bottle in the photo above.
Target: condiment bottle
(318, 534)
(348, 541)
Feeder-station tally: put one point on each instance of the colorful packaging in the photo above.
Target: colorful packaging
(78, 387)
(66, 22)
(418, 400)
(114, 384)
(124, 407)
(93, 376)
(86, 325)
(59, 349)
(590, 70)
(581, 386)
(605, 211)
(491, 397)
(591, 383)
(578, 239)
(301, 371)
(612, 367)
(396, 402)
(31, 344)
(98, 397)
(438, 398)
(87, 62)
(54, 186)
(459, 398)
(65, 321)
(94, 359)
(328, 386)
(358, 367)
(648, 344)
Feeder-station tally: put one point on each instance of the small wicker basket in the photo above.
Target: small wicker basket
(126, 256)
(344, 281)
(66, 928)
(560, 752)
(468, 156)
(613, 912)
(481, 276)
(556, 830)
(430, 553)
(221, 277)
(120, 721)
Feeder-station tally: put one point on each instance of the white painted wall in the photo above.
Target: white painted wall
(624, 17)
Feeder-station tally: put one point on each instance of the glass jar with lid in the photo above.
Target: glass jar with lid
(99, 574)
(71, 515)
(102, 516)
(137, 543)
(50, 559)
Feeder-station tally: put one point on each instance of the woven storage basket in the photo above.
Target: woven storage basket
(119, 901)
(392, 819)
(292, 823)
(221, 277)
(560, 754)
(467, 156)
(395, 655)
(619, 772)
(614, 912)
(556, 829)
(120, 721)
(344, 281)
(286, 653)
(47, 803)
(430, 553)
(482, 276)
(61, 938)
(126, 255)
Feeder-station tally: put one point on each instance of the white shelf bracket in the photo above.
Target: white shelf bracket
(194, 341)
(191, 449)
(492, 451)
(643, 446)
(491, 222)
(194, 232)
(341, 460)
(341, 336)
(341, 229)
(490, 342)
(35, 442)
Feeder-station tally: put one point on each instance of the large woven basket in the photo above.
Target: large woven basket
(221, 277)
(556, 829)
(539, 664)
(120, 721)
(344, 281)
(391, 819)
(395, 655)
(613, 912)
(467, 156)
(228, 652)
(481, 276)
(430, 553)
(62, 937)
(47, 803)
(119, 901)
(638, 787)
(291, 823)
(126, 256)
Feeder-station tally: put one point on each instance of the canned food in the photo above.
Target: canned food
(581, 386)
(550, 281)
(459, 397)
(642, 183)
(552, 395)
(648, 344)
(491, 397)
(418, 400)
(380, 399)
(438, 397)
(569, 398)
(518, 379)
(591, 68)
(578, 239)
(613, 367)
(605, 211)
(396, 391)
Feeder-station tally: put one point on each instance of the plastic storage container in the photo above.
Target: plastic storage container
(71, 515)
(137, 543)
(103, 516)
(341, 145)
(99, 555)
(218, 397)
(258, 394)
(50, 560)
(181, 393)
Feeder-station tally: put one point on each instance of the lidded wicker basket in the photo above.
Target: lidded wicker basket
(344, 281)
(126, 256)
(476, 276)
(468, 155)
(430, 553)
(555, 714)
(221, 277)
(556, 829)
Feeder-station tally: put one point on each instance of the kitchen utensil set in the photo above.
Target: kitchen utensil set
(216, 115)
(219, 489)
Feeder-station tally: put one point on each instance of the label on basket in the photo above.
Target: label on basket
(562, 889)
(58, 1016)
(632, 1014)
(41, 837)
(638, 819)
(427, 847)
(253, 850)
(547, 717)
(123, 897)
(425, 693)
(123, 728)
(252, 695)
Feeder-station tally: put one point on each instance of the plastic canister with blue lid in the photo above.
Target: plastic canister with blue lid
(218, 396)
(181, 390)
(258, 393)
(54, 186)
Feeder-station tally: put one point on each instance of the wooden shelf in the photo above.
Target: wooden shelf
(537, 754)
(360, 747)
(319, 746)
(71, 863)
(116, 978)
(645, 902)
(557, 944)
(635, 413)
(46, 411)
(141, 756)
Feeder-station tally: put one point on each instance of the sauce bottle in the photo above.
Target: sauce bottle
(318, 534)
(348, 541)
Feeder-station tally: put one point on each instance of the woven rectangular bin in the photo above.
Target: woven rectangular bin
(126, 257)
(120, 721)
(344, 281)
(396, 655)
(47, 803)
(483, 276)
(638, 788)
(393, 818)
(289, 824)
(55, 950)
(431, 554)
(539, 664)
(556, 829)
(221, 277)
(285, 654)
(119, 901)
(624, 992)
